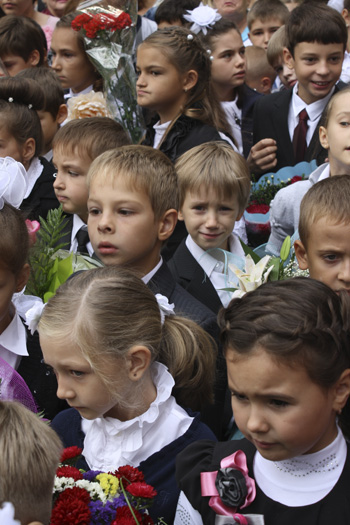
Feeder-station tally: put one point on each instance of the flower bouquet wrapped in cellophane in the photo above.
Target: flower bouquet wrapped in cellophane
(109, 36)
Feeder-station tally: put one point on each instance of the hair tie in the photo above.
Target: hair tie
(13, 182)
(165, 307)
(203, 18)
(33, 315)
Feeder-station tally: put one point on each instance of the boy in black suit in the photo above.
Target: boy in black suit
(316, 36)
(214, 185)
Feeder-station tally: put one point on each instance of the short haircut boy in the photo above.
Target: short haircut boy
(214, 165)
(275, 47)
(171, 12)
(21, 36)
(260, 75)
(158, 180)
(90, 136)
(265, 9)
(315, 23)
(30, 453)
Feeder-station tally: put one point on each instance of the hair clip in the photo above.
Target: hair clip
(165, 307)
(10, 99)
(30, 106)
(203, 18)
(189, 37)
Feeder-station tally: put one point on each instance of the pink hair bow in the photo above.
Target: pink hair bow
(230, 487)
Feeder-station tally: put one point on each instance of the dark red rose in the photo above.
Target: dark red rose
(141, 490)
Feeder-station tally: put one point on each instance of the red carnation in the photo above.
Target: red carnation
(71, 511)
(70, 453)
(129, 474)
(73, 494)
(69, 472)
(141, 490)
(258, 208)
(296, 178)
(79, 21)
(124, 516)
(147, 520)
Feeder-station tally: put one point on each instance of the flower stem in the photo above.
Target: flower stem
(128, 502)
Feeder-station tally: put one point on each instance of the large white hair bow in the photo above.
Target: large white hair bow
(13, 182)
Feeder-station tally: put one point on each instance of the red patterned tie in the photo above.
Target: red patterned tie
(299, 137)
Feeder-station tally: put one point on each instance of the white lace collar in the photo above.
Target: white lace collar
(302, 480)
(33, 173)
(110, 443)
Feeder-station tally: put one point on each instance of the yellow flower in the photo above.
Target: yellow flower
(109, 484)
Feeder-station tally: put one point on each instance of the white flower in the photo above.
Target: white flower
(94, 489)
(88, 105)
(203, 17)
(33, 316)
(63, 483)
(253, 276)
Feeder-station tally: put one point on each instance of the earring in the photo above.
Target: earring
(185, 90)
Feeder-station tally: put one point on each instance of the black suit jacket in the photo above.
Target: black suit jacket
(42, 198)
(271, 121)
(188, 273)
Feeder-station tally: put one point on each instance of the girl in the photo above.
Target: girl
(104, 335)
(288, 361)
(70, 61)
(334, 137)
(21, 139)
(173, 71)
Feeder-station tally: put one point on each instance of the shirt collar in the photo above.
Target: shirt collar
(315, 109)
(14, 337)
(77, 225)
(146, 278)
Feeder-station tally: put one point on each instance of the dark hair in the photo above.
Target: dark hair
(14, 239)
(299, 321)
(314, 22)
(265, 9)
(47, 78)
(170, 11)
(21, 36)
(20, 99)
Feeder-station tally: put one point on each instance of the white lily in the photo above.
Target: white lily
(253, 276)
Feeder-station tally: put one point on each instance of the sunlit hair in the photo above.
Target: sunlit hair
(143, 168)
(14, 234)
(258, 66)
(315, 22)
(328, 110)
(20, 99)
(30, 452)
(216, 167)
(107, 311)
(90, 136)
(328, 198)
(298, 322)
(275, 46)
(267, 9)
(20, 36)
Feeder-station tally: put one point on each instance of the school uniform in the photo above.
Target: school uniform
(70, 235)
(40, 197)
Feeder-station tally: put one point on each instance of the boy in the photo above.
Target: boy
(275, 58)
(30, 453)
(75, 146)
(260, 76)
(324, 230)
(214, 185)
(317, 37)
(55, 109)
(264, 19)
(22, 44)
(170, 13)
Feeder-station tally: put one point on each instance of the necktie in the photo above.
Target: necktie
(82, 237)
(299, 137)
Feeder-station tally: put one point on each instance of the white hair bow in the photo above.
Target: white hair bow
(13, 182)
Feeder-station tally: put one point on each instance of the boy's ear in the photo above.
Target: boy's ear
(28, 150)
(301, 255)
(62, 114)
(266, 85)
(34, 58)
(323, 137)
(167, 224)
(341, 391)
(22, 278)
(288, 58)
(138, 361)
(345, 15)
(190, 79)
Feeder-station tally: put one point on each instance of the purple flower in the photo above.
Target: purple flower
(90, 475)
(101, 513)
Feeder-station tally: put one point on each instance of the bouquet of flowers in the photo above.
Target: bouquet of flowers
(109, 36)
(94, 498)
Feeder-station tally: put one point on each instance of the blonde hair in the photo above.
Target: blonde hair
(107, 311)
(147, 169)
(328, 110)
(275, 46)
(30, 453)
(214, 165)
(328, 198)
(266, 10)
(258, 66)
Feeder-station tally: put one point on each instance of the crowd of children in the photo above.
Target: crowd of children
(147, 361)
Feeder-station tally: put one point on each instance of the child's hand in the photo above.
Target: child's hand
(262, 156)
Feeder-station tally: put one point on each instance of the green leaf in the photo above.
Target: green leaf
(274, 275)
(248, 251)
(285, 250)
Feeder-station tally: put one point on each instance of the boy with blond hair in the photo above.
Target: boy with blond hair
(264, 19)
(275, 58)
(214, 187)
(324, 231)
(259, 76)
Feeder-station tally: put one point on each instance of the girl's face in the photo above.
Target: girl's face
(17, 7)
(9, 284)
(278, 408)
(336, 137)
(9, 147)
(159, 85)
(228, 64)
(70, 62)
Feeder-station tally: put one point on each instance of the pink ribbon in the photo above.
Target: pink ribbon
(237, 461)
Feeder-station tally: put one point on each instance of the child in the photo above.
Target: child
(214, 187)
(334, 137)
(324, 232)
(170, 13)
(21, 139)
(275, 57)
(264, 19)
(235, 12)
(260, 76)
(288, 364)
(291, 118)
(75, 146)
(54, 112)
(30, 453)
(70, 61)
(345, 75)
(105, 336)
(173, 71)
(22, 44)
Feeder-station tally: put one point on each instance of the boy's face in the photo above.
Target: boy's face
(49, 127)
(327, 255)
(15, 63)
(70, 183)
(122, 226)
(317, 68)
(209, 219)
(285, 74)
(261, 31)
